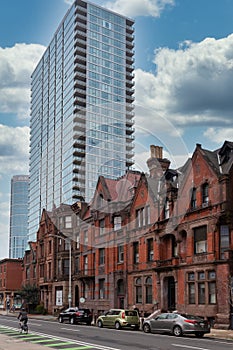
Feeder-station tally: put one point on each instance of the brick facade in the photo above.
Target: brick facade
(10, 283)
(163, 240)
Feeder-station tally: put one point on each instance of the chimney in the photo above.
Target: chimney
(157, 165)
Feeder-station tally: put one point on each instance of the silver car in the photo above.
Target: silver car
(176, 324)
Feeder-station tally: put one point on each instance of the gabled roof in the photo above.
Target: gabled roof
(225, 156)
(220, 160)
(114, 191)
(212, 159)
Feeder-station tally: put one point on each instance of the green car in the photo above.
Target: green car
(119, 318)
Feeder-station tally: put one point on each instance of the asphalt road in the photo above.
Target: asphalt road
(65, 336)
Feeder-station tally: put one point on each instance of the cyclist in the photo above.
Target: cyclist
(23, 318)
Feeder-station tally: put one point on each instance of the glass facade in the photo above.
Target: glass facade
(18, 216)
(81, 108)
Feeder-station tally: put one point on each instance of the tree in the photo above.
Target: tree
(30, 296)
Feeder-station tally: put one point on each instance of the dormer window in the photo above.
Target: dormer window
(68, 221)
(225, 153)
(100, 201)
(194, 198)
(205, 193)
(166, 209)
(101, 225)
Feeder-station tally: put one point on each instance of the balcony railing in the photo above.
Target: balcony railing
(167, 262)
(86, 273)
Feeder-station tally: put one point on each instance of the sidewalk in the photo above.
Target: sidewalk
(30, 316)
(220, 334)
(9, 343)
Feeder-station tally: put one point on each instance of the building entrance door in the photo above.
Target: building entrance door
(171, 295)
(76, 297)
(121, 303)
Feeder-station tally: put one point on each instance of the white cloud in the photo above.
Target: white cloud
(4, 237)
(69, 2)
(219, 134)
(14, 149)
(14, 155)
(133, 8)
(16, 66)
(4, 225)
(191, 86)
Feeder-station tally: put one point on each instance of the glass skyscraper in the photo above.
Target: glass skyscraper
(18, 216)
(82, 110)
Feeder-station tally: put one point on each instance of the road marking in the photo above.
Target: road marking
(189, 347)
(34, 324)
(60, 344)
(8, 331)
(71, 329)
(44, 340)
(31, 337)
(78, 345)
(80, 348)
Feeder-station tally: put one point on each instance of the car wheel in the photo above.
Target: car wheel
(60, 319)
(100, 324)
(146, 328)
(199, 334)
(117, 325)
(177, 331)
(72, 320)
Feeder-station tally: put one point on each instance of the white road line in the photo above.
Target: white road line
(210, 340)
(189, 347)
(71, 329)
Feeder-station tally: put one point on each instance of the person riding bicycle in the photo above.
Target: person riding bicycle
(23, 318)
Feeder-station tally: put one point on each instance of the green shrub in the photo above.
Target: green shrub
(40, 310)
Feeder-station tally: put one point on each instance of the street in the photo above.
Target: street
(53, 334)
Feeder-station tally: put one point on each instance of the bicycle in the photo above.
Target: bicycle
(23, 326)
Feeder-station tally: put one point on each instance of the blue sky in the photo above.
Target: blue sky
(183, 78)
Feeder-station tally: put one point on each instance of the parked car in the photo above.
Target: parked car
(176, 324)
(119, 318)
(75, 315)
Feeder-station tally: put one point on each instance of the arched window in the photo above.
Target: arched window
(138, 290)
(148, 285)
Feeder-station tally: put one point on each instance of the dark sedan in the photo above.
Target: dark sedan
(75, 315)
(176, 324)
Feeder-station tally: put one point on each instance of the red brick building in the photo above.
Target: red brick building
(10, 283)
(47, 262)
(163, 240)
